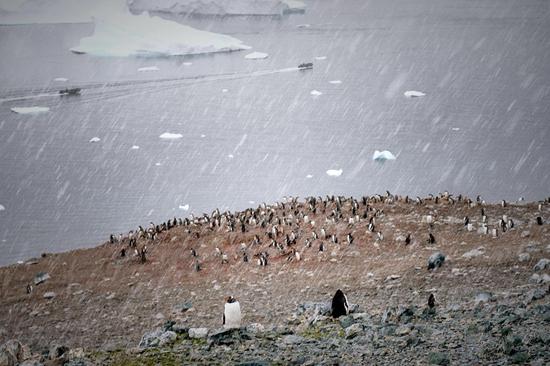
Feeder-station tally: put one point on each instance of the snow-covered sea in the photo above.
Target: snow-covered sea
(154, 138)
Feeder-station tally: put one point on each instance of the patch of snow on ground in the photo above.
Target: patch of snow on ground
(413, 94)
(334, 172)
(256, 56)
(171, 136)
(29, 110)
(382, 156)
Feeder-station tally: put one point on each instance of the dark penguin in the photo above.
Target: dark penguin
(431, 239)
(339, 304)
(431, 301)
(539, 220)
(408, 239)
(123, 253)
(29, 288)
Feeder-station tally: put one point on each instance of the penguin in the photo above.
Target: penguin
(340, 304)
(510, 223)
(350, 239)
(431, 301)
(371, 227)
(321, 247)
(466, 220)
(123, 253)
(231, 313)
(431, 239)
(539, 220)
(193, 252)
(379, 236)
(408, 239)
(197, 266)
(503, 203)
(29, 288)
(142, 254)
(245, 258)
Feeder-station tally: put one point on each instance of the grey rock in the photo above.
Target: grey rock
(7, 358)
(483, 297)
(534, 294)
(16, 349)
(58, 351)
(535, 278)
(436, 260)
(37, 363)
(524, 257)
(180, 328)
(353, 330)
(438, 358)
(41, 277)
(292, 339)
(198, 332)
(167, 337)
(403, 330)
(150, 339)
(346, 321)
(525, 233)
(542, 264)
(185, 306)
(255, 328)
(49, 295)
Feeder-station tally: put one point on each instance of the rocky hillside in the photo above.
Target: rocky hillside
(164, 281)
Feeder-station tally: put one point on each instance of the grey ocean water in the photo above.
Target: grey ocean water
(483, 127)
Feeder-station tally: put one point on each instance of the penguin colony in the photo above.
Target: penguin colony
(294, 229)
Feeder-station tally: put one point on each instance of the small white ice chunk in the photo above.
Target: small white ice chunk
(135, 147)
(309, 176)
(95, 139)
(187, 63)
(60, 79)
(256, 56)
(413, 94)
(335, 81)
(382, 156)
(184, 207)
(2, 208)
(321, 57)
(334, 172)
(303, 25)
(171, 136)
(30, 110)
(230, 156)
(225, 90)
(455, 129)
(315, 93)
(148, 68)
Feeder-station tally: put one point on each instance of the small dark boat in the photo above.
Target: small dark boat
(305, 66)
(73, 91)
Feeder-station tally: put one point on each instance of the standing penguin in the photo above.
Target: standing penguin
(232, 313)
(339, 304)
(431, 301)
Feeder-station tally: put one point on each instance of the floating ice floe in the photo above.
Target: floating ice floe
(148, 68)
(95, 139)
(29, 110)
(135, 147)
(230, 156)
(321, 58)
(184, 207)
(413, 94)
(334, 172)
(455, 129)
(171, 136)
(203, 136)
(61, 79)
(335, 82)
(309, 176)
(315, 93)
(294, 5)
(187, 63)
(382, 156)
(158, 164)
(119, 33)
(225, 90)
(303, 25)
(2, 208)
(256, 56)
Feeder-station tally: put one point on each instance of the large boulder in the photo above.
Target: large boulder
(436, 260)
(198, 332)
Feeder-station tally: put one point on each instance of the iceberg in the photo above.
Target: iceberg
(148, 68)
(315, 93)
(382, 156)
(184, 207)
(2, 208)
(135, 147)
(335, 82)
(309, 176)
(414, 94)
(217, 7)
(118, 33)
(334, 172)
(171, 136)
(95, 139)
(29, 110)
(256, 56)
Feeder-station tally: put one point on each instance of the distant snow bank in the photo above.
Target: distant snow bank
(29, 110)
(217, 7)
